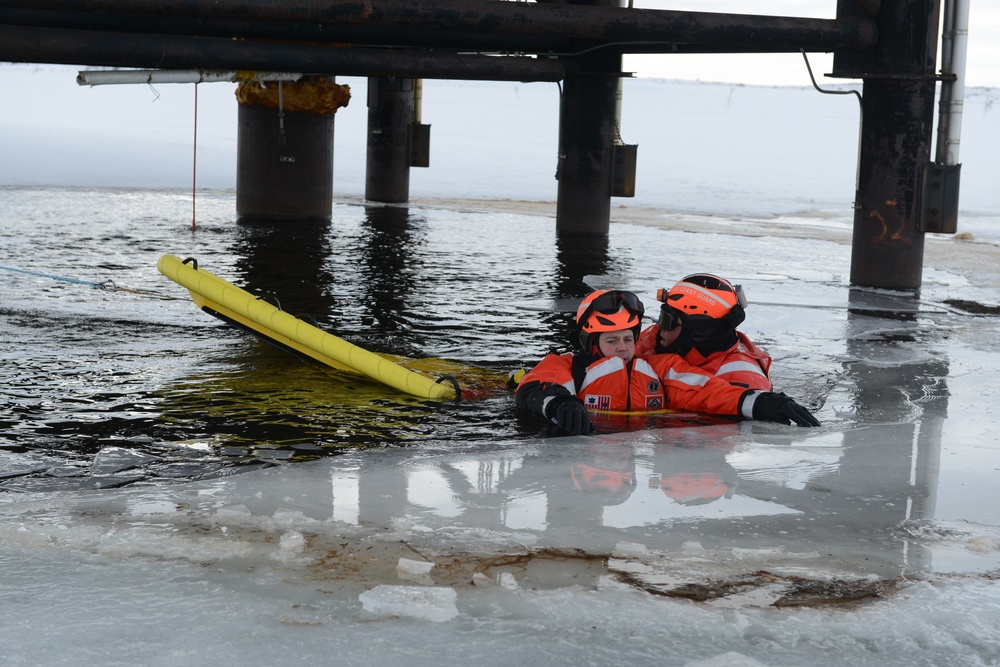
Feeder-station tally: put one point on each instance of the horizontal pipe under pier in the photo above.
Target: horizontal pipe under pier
(92, 48)
(339, 35)
(412, 19)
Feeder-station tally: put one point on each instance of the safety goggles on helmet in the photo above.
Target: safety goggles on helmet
(609, 310)
(670, 319)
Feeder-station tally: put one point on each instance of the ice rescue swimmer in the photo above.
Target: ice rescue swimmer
(698, 320)
(607, 376)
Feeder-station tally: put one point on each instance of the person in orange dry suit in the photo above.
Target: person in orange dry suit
(607, 376)
(698, 321)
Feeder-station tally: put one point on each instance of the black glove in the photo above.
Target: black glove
(782, 409)
(569, 414)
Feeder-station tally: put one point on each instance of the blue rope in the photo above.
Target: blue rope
(105, 285)
(108, 285)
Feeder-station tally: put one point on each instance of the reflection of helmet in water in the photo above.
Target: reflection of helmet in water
(608, 310)
(702, 301)
(610, 475)
(695, 488)
(693, 470)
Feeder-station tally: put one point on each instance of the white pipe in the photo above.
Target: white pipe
(954, 44)
(960, 43)
(123, 76)
(944, 100)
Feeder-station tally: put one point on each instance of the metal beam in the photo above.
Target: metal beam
(84, 47)
(416, 21)
(287, 31)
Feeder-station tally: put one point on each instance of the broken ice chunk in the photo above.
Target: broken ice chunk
(630, 550)
(423, 602)
(508, 581)
(292, 540)
(408, 566)
(415, 570)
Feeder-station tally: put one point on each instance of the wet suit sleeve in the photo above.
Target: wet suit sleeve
(533, 396)
(552, 376)
(542, 394)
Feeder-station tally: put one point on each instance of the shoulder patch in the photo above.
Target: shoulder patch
(595, 402)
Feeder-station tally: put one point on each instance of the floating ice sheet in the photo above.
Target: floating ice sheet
(422, 602)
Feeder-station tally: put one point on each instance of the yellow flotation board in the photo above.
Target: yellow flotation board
(232, 304)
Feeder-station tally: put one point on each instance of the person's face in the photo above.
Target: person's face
(617, 344)
(667, 338)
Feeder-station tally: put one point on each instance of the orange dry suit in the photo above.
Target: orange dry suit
(609, 384)
(742, 364)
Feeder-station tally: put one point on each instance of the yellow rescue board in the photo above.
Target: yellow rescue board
(227, 301)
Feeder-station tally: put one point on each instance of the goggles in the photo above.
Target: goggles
(670, 319)
(611, 302)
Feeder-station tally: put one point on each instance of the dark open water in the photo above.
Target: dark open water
(137, 387)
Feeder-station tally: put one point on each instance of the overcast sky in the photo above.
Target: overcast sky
(789, 69)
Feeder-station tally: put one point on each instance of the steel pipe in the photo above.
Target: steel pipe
(522, 19)
(44, 45)
(242, 28)
(125, 77)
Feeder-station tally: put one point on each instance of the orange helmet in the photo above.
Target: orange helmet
(694, 488)
(589, 478)
(700, 300)
(609, 477)
(608, 310)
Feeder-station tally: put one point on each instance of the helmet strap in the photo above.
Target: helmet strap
(735, 316)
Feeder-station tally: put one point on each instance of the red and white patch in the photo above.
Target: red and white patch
(598, 402)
